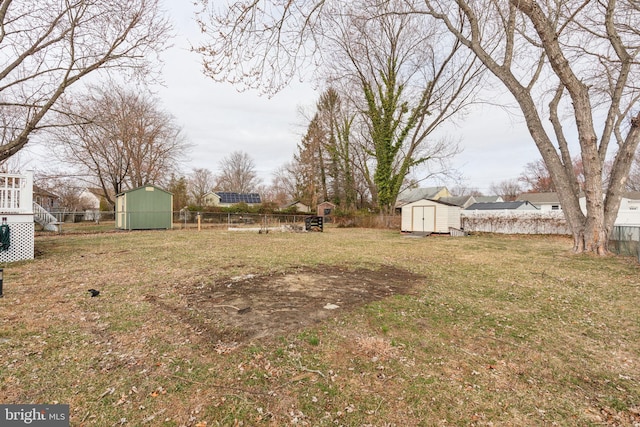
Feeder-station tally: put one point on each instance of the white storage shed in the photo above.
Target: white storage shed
(429, 216)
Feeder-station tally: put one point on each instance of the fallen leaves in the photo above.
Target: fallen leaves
(158, 391)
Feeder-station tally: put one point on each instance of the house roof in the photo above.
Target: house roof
(458, 200)
(42, 192)
(553, 198)
(413, 194)
(488, 199)
(499, 205)
(539, 198)
(293, 203)
(233, 198)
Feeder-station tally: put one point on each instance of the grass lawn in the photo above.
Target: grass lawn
(348, 327)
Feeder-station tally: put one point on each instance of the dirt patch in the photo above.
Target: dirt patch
(251, 307)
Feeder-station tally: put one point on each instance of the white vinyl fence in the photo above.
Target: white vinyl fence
(514, 222)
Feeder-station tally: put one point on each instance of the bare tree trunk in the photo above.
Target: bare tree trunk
(554, 38)
(49, 46)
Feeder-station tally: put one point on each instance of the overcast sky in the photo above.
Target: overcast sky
(217, 120)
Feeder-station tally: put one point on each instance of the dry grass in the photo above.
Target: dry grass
(501, 331)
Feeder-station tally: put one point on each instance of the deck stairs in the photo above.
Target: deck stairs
(45, 219)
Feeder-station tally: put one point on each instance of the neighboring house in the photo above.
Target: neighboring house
(46, 199)
(488, 199)
(92, 199)
(461, 201)
(630, 201)
(227, 199)
(628, 212)
(544, 216)
(144, 208)
(501, 206)
(429, 216)
(300, 207)
(545, 201)
(427, 193)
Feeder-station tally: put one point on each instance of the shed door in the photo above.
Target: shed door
(423, 218)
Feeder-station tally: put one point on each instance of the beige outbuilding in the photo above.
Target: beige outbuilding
(429, 216)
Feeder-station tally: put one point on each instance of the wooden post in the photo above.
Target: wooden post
(198, 221)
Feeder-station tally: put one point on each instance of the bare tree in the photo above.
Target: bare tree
(237, 174)
(536, 177)
(633, 183)
(411, 78)
(464, 190)
(13, 164)
(119, 139)
(284, 184)
(575, 60)
(47, 46)
(508, 189)
(201, 182)
(67, 188)
(403, 75)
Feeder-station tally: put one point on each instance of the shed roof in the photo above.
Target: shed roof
(144, 186)
(439, 201)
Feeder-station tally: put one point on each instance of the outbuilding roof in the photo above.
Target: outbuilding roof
(142, 188)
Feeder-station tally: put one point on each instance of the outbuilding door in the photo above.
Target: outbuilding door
(423, 219)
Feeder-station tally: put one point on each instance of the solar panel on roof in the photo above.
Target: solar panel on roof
(230, 197)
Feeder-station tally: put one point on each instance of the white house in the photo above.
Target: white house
(628, 213)
(429, 216)
(547, 202)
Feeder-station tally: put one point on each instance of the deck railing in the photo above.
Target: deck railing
(16, 193)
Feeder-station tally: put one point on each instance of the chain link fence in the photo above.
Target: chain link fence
(190, 219)
(625, 240)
